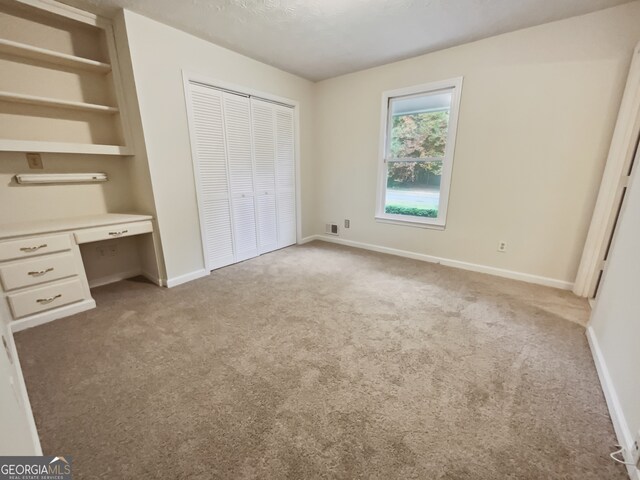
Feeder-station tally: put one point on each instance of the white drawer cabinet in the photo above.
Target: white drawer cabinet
(35, 300)
(30, 246)
(42, 278)
(46, 268)
(42, 273)
(112, 231)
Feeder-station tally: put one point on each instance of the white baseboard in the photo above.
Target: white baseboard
(308, 239)
(51, 315)
(116, 277)
(187, 277)
(525, 277)
(24, 396)
(620, 425)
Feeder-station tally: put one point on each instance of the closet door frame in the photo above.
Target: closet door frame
(187, 78)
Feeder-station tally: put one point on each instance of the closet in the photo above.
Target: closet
(244, 166)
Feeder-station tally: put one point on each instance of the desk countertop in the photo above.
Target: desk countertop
(11, 230)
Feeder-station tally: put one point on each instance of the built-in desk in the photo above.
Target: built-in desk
(42, 275)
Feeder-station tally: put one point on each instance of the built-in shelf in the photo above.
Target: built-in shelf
(49, 56)
(58, 119)
(7, 145)
(56, 103)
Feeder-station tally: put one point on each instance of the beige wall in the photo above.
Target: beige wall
(150, 248)
(159, 54)
(536, 118)
(615, 323)
(19, 203)
(537, 112)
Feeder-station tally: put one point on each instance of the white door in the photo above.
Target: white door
(264, 148)
(237, 126)
(210, 163)
(285, 176)
(244, 162)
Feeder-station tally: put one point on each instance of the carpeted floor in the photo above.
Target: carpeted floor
(320, 361)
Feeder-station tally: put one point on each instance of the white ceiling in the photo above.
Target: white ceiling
(319, 39)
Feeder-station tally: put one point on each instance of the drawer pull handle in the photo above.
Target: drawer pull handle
(117, 234)
(40, 273)
(48, 300)
(33, 249)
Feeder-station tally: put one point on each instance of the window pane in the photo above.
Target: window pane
(413, 188)
(419, 125)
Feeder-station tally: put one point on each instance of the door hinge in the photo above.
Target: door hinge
(626, 180)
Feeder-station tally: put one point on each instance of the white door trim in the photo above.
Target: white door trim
(620, 155)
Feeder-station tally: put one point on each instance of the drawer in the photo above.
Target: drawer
(45, 298)
(113, 231)
(37, 270)
(28, 247)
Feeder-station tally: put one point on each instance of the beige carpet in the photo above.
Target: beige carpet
(322, 361)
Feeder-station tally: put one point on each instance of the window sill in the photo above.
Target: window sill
(408, 223)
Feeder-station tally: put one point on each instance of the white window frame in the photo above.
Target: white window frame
(447, 161)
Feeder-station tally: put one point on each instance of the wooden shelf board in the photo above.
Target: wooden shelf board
(49, 56)
(59, 147)
(55, 103)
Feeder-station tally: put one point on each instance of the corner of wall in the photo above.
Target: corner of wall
(139, 169)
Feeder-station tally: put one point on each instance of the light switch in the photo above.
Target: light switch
(34, 160)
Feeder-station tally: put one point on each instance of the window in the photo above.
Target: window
(418, 139)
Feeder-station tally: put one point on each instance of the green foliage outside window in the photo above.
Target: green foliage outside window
(413, 211)
(417, 135)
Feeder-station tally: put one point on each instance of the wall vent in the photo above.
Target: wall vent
(331, 229)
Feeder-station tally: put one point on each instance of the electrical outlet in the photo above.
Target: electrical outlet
(502, 246)
(347, 223)
(107, 250)
(34, 160)
(635, 451)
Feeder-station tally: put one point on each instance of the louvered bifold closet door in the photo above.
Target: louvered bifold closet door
(264, 150)
(211, 169)
(285, 176)
(237, 116)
